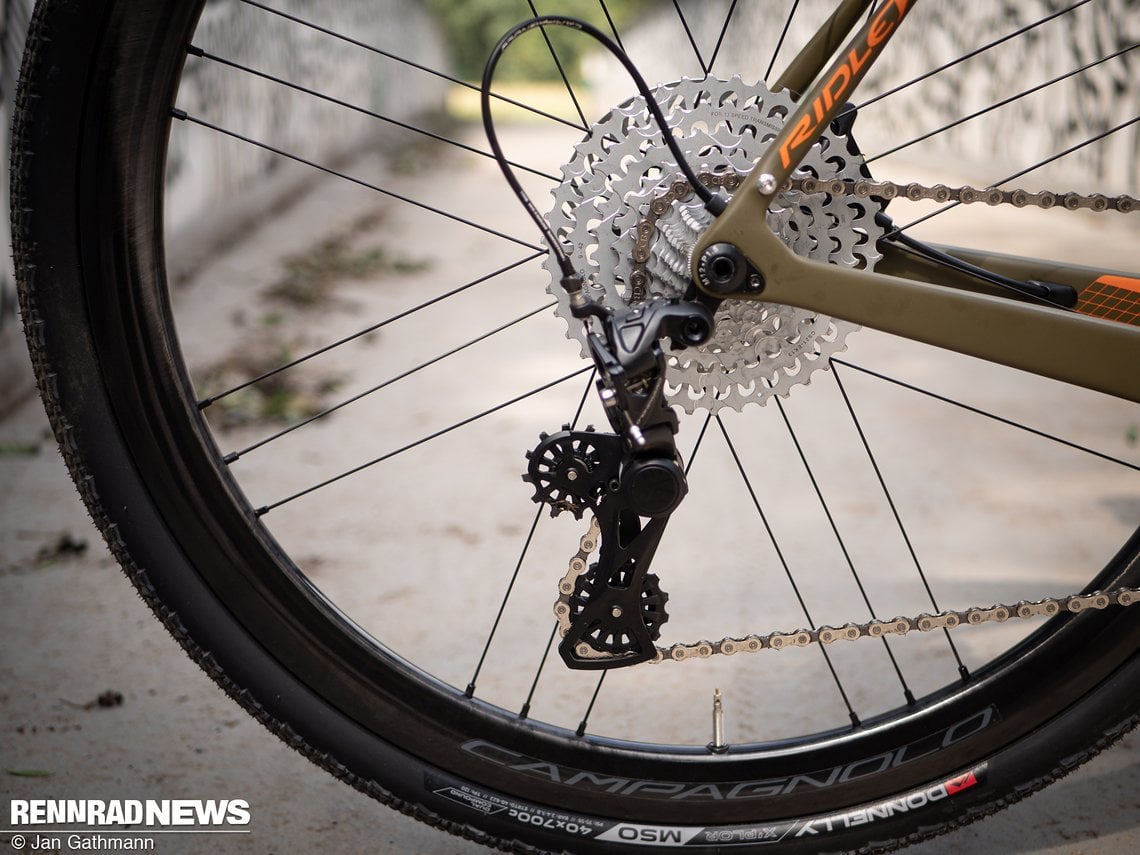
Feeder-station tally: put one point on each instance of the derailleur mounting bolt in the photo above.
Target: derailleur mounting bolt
(766, 184)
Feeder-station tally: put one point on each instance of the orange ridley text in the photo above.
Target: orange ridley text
(842, 78)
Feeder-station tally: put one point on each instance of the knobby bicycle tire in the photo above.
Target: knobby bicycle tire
(89, 154)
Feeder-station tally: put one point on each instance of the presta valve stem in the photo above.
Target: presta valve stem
(717, 745)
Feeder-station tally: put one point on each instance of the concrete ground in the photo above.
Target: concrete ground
(73, 631)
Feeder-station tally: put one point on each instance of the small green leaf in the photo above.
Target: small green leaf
(29, 773)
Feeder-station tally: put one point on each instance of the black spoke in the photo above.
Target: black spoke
(184, 116)
(610, 21)
(525, 711)
(1026, 171)
(692, 40)
(410, 63)
(723, 33)
(842, 544)
(213, 399)
(236, 455)
(470, 691)
(894, 510)
(522, 557)
(787, 569)
(415, 444)
(969, 55)
(980, 412)
(561, 70)
(780, 41)
(581, 731)
(1024, 93)
(364, 111)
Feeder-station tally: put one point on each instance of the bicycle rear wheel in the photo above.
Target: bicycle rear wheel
(374, 584)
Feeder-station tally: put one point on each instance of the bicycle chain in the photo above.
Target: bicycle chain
(925, 622)
(863, 189)
(963, 195)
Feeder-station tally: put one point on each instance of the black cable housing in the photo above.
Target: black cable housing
(713, 203)
(1048, 293)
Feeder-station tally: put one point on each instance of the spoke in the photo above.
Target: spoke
(980, 412)
(780, 41)
(180, 114)
(1002, 103)
(966, 56)
(262, 511)
(787, 569)
(561, 70)
(723, 32)
(213, 399)
(470, 692)
(697, 444)
(411, 63)
(296, 87)
(1025, 171)
(842, 545)
(610, 21)
(525, 711)
(581, 731)
(962, 671)
(692, 41)
(236, 455)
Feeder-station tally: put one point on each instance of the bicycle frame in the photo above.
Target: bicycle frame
(906, 295)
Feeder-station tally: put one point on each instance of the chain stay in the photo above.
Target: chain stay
(925, 622)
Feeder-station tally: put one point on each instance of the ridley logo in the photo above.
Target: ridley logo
(843, 78)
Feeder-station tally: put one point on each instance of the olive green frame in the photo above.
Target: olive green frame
(909, 295)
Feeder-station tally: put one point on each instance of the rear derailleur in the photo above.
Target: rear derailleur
(631, 480)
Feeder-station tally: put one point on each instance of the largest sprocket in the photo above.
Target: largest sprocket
(623, 165)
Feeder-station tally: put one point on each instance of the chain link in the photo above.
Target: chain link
(853, 631)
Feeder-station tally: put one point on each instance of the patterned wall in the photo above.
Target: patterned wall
(207, 172)
(938, 31)
(206, 169)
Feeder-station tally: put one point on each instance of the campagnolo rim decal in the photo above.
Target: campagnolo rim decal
(558, 822)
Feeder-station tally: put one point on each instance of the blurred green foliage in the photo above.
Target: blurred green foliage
(474, 27)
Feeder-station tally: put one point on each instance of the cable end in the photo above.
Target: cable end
(715, 205)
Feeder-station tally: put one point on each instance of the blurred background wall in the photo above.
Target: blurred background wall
(1026, 131)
